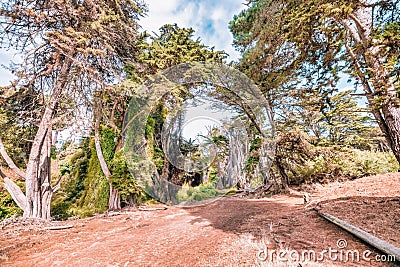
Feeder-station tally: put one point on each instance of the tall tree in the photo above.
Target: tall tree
(69, 49)
(316, 40)
(172, 46)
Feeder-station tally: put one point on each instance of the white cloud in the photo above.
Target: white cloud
(6, 57)
(218, 14)
(162, 12)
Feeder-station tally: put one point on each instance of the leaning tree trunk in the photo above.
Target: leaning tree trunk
(40, 200)
(392, 116)
(359, 26)
(114, 200)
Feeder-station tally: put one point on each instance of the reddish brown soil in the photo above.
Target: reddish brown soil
(233, 231)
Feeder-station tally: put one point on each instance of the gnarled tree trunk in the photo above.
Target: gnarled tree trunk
(392, 118)
(36, 202)
(38, 175)
(237, 155)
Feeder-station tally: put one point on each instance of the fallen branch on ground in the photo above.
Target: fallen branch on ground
(143, 208)
(377, 243)
(59, 227)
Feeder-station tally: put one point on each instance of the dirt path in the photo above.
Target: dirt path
(230, 232)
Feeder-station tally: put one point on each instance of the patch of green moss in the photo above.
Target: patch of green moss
(96, 188)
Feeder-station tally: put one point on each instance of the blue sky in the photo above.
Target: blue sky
(5, 59)
(209, 18)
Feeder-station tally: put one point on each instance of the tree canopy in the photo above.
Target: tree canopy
(69, 49)
(288, 45)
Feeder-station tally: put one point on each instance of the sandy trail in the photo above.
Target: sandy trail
(228, 232)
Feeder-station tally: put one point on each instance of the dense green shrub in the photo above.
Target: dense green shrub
(298, 161)
(96, 187)
(202, 192)
(123, 180)
(85, 189)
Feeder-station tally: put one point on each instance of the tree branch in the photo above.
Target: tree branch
(360, 28)
(10, 162)
(15, 191)
(57, 186)
(130, 121)
(368, 92)
(100, 156)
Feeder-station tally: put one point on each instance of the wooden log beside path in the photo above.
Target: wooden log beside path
(377, 243)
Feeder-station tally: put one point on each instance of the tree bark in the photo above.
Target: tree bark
(38, 206)
(38, 187)
(392, 118)
(237, 156)
(385, 112)
(10, 162)
(15, 192)
(114, 200)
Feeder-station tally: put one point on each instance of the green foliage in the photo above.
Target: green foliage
(299, 162)
(336, 119)
(84, 189)
(172, 46)
(15, 134)
(153, 129)
(331, 165)
(122, 179)
(108, 140)
(7, 204)
(77, 170)
(389, 37)
(74, 171)
(149, 131)
(202, 192)
(254, 157)
(96, 192)
(220, 140)
(213, 175)
(53, 153)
